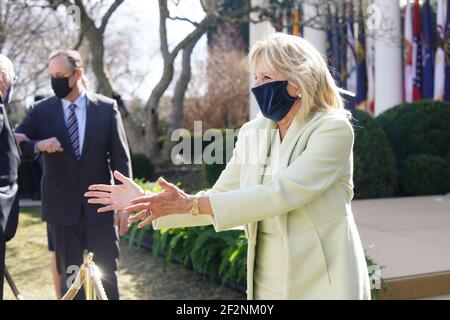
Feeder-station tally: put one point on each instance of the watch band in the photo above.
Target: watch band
(195, 211)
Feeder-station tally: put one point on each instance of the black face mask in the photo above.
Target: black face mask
(61, 86)
(274, 100)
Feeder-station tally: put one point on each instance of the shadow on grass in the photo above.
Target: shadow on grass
(141, 276)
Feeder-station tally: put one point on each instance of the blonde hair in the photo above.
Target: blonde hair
(305, 68)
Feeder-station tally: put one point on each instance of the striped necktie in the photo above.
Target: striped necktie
(72, 130)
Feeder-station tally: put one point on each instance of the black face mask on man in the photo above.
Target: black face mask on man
(61, 86)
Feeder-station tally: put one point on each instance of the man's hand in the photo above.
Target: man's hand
(121, 221)
(20, 137)
(50, 145)
(114, 197)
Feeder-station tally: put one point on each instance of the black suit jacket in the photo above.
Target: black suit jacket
(9, 165)
(65, 179)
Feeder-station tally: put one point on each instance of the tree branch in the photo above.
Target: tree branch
(200, 30)
(163, 14)
(194, 23)
(108, 14)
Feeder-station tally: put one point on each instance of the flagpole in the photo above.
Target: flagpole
(316, 37)
(258, 31)
(388, 57)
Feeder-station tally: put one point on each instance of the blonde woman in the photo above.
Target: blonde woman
(289, 183)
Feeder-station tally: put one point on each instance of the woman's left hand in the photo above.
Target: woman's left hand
(171, 201)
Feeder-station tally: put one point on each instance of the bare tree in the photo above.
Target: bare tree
(213, 14)
(95, 36)
(95, 17)
(27, 35)
(224, 102)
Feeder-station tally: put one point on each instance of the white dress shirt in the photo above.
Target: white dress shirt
(80, 113)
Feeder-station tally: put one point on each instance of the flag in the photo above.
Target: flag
(296, 14)
(417, 52)
(370, 56)
(361, 83)
(285, 21)
(328, 42)
(350, 53)
(342, 45)
(447, 56)
(333, 44)
(408, 54)
(439, 60)
(278, 17)
(427, 52)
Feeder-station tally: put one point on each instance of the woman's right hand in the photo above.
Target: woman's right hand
(114, 197)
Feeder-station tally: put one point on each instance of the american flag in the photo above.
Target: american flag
(417, 53)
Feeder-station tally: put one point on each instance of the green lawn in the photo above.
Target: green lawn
(141, 275)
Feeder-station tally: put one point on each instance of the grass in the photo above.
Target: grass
(28, 259)
(141, 275)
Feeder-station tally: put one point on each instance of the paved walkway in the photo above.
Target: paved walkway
(408, 236)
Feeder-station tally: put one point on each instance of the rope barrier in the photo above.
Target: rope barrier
(12, 285)
(88, 275)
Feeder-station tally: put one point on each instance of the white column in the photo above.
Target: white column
(258, 32)
(315, 36)
(388, 56)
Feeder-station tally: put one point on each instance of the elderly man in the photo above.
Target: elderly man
(9, 164)
(80, 136)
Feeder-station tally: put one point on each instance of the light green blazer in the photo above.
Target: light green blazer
(310, 200)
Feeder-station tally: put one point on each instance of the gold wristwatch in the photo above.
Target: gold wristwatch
(195, 211)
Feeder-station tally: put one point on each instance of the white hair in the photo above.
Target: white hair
(7, 68)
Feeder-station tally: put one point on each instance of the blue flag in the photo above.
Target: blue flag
(361, 71)
(428, 54)
(447, 56)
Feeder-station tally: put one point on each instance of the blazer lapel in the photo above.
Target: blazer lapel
(292, 137)
(287, 155)
(263, 136)
(91, 116)
(260, 138)
(258, 147)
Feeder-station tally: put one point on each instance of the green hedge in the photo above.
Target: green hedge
(374, 172)
(422, 127)
(219, 256)
(213, 171)
(142, 167)
(426, 174)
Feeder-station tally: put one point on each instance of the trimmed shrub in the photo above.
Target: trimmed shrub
(374, 172)
(426, 174)
(142, 166)
(212, 171)
(421, 127)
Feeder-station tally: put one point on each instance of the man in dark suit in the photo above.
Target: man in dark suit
(81, 138)
(9, 164)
